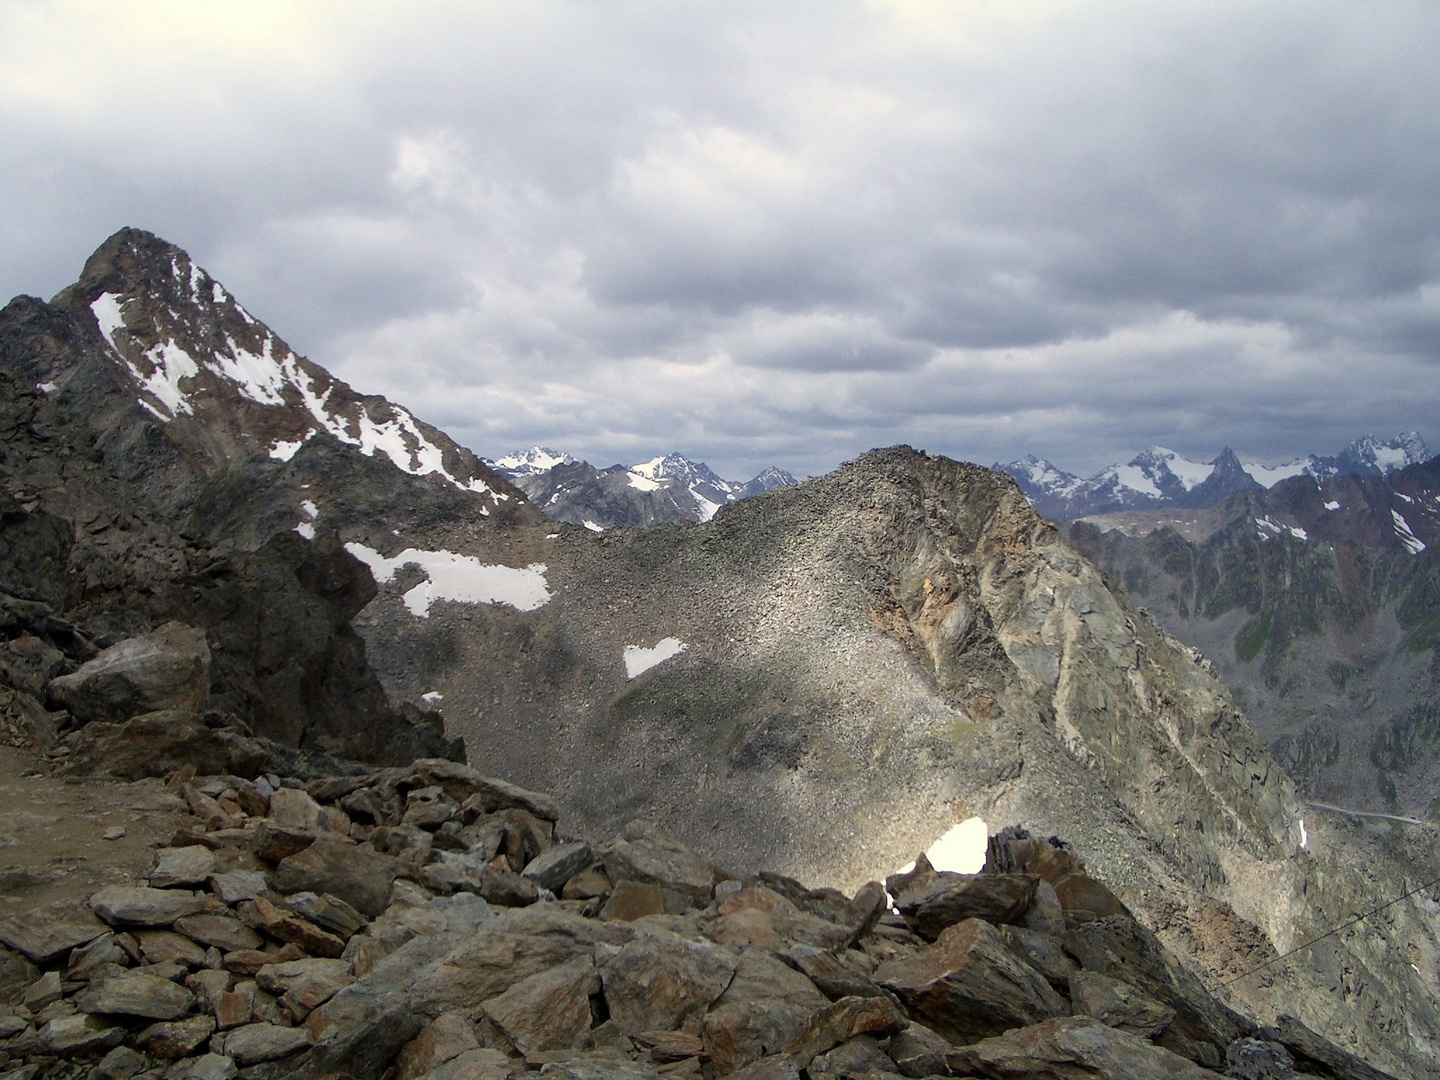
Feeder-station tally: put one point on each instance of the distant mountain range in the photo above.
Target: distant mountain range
(668, 488)
(1161, 478)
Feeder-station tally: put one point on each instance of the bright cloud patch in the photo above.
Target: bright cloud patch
(639, 660)
(460, 578)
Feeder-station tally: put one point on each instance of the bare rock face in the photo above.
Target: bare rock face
(168, 669)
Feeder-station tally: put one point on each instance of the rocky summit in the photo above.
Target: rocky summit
(427, 922)
(216, 557)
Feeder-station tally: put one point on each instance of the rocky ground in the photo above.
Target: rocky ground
(428, 922)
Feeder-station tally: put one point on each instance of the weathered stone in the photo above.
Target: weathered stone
(45, 933)
(860, 1056)
(405, 844)
(249, 961)
(1045, 914)
(264, 1042)
(137, 993)
(631, 900)
(1117, 1004)
(303, 985)
(260, 914)
(472, 790)
(17, 973)
(160, 946)
(1319, 1055)
(764, 1006)
(236, 885)
(273, 842)
(1121, 948)
(585, 1067)
(357, 874)
(328, 912)
(223, 932)
(445, 1038)
(478, 1064)
(841, 1021)
(166, 669)
(552, 869)
(667, 1047)
(158, 743)
(181, 866)
(1072, 1046)
(120, 1064)
(122, 905)
(774, 1067)
(865, 909)
(174, 1039)
(1043, 952)
(42, 991)
(292, 808)
(657, 983)
(644, 855)
(207, 986)
(548, 1011)
(235, 1008)
(1259, 1059)
(428, 808)
(210, 1067)
(833, 976)
(996, 898)
(969, 985)
(85, 960)
(588, 884)
(80, 1034)
(1083, 898)
(760, 916)
(917, 1051)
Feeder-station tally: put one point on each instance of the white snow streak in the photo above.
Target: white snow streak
(306, 529)
(592, 526)
(461, 578)
(1332, 506)
(640, 660)
(1413, 543)
(1268, 476)
(640, 482)
(284, 451)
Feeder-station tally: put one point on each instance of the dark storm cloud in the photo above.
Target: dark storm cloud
(759, 235)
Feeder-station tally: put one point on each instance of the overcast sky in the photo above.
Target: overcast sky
(776, 233)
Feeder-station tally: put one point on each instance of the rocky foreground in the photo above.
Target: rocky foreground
(426, 921)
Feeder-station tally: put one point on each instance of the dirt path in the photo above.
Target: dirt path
(52, 831)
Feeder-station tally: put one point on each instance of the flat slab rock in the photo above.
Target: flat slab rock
(46, 933)
(1069, 1046)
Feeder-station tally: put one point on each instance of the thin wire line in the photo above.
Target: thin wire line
(1330, 933)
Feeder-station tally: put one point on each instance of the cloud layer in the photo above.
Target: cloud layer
(776, 236)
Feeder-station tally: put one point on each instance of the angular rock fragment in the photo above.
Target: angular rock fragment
(840, 1021)
(762, 1009)
(80, 1034)
(1072, 1046)
(357, 874)
(137, 993)
(45, 933)
(631, 900)
(953, 898)
(552, 869)
(548, 1011)
(834, 977)
(859, 1056)
(1117, 1004)
(174, 1039)
(160, 946)
(167, 669)
(969, 985)
(224, 932)
(254, 1043)
(273, 842)
(235, 885)
(303, 985)
(644, 855)
(158, 743)
(759, 916)
(124, 905)
(657, 983)
(260, 914)
(447, 1037)
(181, 866)
(917, 1051)
(328, 912)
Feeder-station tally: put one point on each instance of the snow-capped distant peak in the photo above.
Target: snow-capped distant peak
(534, 460)
(1191, 474)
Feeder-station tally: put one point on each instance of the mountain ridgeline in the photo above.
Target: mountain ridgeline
(821, 679)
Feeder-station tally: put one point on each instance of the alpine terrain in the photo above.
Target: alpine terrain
(299, 606)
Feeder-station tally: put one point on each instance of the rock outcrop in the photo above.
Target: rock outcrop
(338, 959)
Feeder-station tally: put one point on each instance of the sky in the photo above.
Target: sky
(764, 233)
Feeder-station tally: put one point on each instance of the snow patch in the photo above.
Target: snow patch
(309, 509)
(639, 660)
(106, 310)
(462, 578)
(306, 529)
(708, 509)
(640, 482)
(1304, 836)
(1134, 478)
(46, 388)
(1268, 476)
(1298, 533)
(256, 375)
(1332, 506)
(592, 526)
(284, 451)
(1190, 473)
(1407, 498)
(1413, 543)
(434, 697)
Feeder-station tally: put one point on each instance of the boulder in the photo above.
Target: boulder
(254, 1043)
(969, 985)
(482, 794)
(631, 900)
(917, 1051)
(162, 946)
(211, 1067)
(760, 916)
(327, 911)
(136, 993)
(224, 932)
(303, 985)
(657, 983)
(774, 1067)
(1043, 952)
(762, 1009)
(125, 905)
(181, 866)
(333, 864)
(235, 885)
(1072, 1046)
(174, 1039)
(1315, 1054)
(158, 743)
(860, 1056)
(447, 1037)
(841, 1021)
(835, 977)
(1083, 898)
(292, 808)
(642, 854)
(552, 869)
(953, 898)
(273, 842)
(260, 914)
(586, 1067)
(16, 972)
(1117, 1004)
(547, 1011)
(46, 933)
(80, 1034)
(166, 669)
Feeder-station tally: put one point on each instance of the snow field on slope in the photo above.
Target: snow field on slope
(461, 578)
(639, 660)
